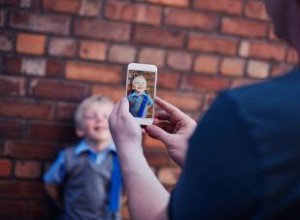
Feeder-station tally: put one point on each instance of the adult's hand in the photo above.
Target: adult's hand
(173, 128)
(125, 131)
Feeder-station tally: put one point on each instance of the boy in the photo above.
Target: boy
(139, 100)
(89, 172)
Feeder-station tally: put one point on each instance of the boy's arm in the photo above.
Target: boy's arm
(55, 193)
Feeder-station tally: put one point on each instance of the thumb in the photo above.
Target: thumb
(158, 133)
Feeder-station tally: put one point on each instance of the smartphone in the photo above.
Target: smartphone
(140, 91)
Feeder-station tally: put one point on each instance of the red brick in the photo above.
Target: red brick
(12, 64)
(232, 67)
(54, 68)
(30, 150)
(95, 29)
(179, 60)
(2, 18)
(208, 100)
(256, 9)
(227, 6)
(280, 69)
(12, 85)
(90, 8)
(25, 109)
(13, 209)
(243, 82)
(27, 169)
(62, 47)
(5, 168)
(93, 73)
(190, 19)
(69, 6)
(32, 4)
(207, 64)
(34, 66)
(152, 55)
(56, 24)
(267, 50)
(11, 129)
(121, 54)
(292, 56)
(58, 90)
(168, 80)
(157, 157)
(213, 44)
(243, 27)
(65, 111)
(149, 35)
(186, 101)
(93, 50)
(153, 143)
(31, 44)
(127, 11)
(208, 83)
(22, 189)
(6, 43)
(258, 69)
(115, 94)
(169, 175)
(51, 132)
(173, 3)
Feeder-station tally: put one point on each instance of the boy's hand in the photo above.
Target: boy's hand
(173, 128)
(125, 131)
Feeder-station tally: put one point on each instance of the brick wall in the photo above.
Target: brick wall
(54, 53)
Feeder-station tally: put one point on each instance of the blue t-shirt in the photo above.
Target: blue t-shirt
(244, 157)
(139, 104)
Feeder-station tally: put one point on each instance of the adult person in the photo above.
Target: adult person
(243, 159)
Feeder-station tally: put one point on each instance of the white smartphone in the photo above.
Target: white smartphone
(140, 91)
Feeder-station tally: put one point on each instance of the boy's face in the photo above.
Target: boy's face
(139, 86)
(94, 124)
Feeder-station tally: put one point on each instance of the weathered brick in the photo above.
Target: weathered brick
(256, 9)
(33, 66)
(12, 85)
(157, 157)
(280, 69)
(51, 132)
(121, 54)
(208, 100)
(190, 19)
(25, 109)
(207, 64)
(127, 11)
(56, 24)
(153, 56)
(232, 67)
(267, 50)
(95, 29)
(54, 68)
(227, 6)
(292, 56)
(93, 72)
(179, 60)
(12, 64)
(2, 18)
(168, 80)
(22, 189)
(187, 101)
(169, 175)
(244, 48)
(6, 43)
(173, 3)
(149, 35)
(13, 209)
(258, 69)
(58, 90)
(93, 50)
(27, 169)
(68, 6)
(32, 4)
(153, 143)
(208, 83)
(244, 27)
(63, 47)
(5, 168)
(11, 128)
(243, 82)
(65, 111)
(90, 8)
(31, 43)
(213, 44)
(115, 94)
(30, 150)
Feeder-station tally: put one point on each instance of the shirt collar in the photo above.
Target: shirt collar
(84, 147)
(135, 94)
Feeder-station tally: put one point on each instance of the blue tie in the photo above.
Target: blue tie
(116, 183)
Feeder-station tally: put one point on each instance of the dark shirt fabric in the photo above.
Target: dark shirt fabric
(244, 157)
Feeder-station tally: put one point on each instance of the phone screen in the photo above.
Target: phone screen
(140, 93)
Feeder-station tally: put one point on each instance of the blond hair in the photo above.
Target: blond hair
(139, 79)
(79, 113)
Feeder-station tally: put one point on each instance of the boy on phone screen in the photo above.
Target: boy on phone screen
(139, 100)
(85, 180)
